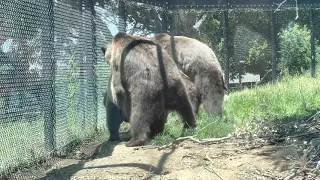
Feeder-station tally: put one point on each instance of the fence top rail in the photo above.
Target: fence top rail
(232, 4)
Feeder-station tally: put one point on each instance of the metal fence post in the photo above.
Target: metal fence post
(122, 16)
(241, 72)
(95, 55)
(164, 21)
(49, 121)
(226, 42)
(313, 44)
(274, 49)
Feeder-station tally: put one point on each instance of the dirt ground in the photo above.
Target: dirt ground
(231, 159)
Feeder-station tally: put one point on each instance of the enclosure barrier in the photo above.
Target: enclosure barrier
(53, 75)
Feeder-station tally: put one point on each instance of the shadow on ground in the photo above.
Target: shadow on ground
(292, 135)
(103, 150)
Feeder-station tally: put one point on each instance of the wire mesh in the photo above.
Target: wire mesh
(249, 57)
(108, 23)
(26, 91)
(74, 83)
(143, 19)
(53, 75)
(252, 46)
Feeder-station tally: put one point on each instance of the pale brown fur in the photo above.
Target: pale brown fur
(201, 65)
(144, 102)
(194, 95)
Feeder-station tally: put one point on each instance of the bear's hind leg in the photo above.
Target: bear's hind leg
(157, 126)
(184, 108)
(139, 129)
(146, 114)
(140, 126)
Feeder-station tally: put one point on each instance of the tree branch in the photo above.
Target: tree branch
(297, 9)
(134, 28)
(195, 28)
(198, 23)
(279, 5)
(203, 141)
(152, 23)
(261, 79)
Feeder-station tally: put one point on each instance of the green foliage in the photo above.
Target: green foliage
(210, 29)
(257, 52)
(210, 33)
(291, 98)
(220, 45)
(207, 126)
(258, 60)
(72, 96)
(295, 49)
(19, 144)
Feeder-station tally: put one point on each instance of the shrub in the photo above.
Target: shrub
(295, 49)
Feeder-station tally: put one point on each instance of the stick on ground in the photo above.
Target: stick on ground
(203, 141)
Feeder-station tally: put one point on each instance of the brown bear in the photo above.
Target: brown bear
(115, 115)
(201, 65)
(146, 84)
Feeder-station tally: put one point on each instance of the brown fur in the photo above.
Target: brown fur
(143, 102)
(201, 65)
(194, 95)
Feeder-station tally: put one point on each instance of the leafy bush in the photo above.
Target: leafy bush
(257, 51)
(259, 58)
(295, 49)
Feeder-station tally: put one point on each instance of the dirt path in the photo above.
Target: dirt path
(187, 161)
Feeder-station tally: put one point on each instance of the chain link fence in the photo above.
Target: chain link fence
(27, 73)
(243, 38)
(53, 75)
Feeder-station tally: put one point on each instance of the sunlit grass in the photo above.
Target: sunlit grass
(20, 143)
(291, 99)
(207, 126)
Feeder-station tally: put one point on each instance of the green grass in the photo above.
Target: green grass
(293, 99)
(20, 143)
(206, 127)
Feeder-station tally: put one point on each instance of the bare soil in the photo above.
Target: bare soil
(232, 159)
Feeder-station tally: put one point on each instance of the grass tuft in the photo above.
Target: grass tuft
(207, 126)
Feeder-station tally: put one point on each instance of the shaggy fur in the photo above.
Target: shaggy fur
(142, 92)
(201, 65)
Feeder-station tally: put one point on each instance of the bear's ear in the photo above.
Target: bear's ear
(103, 49)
